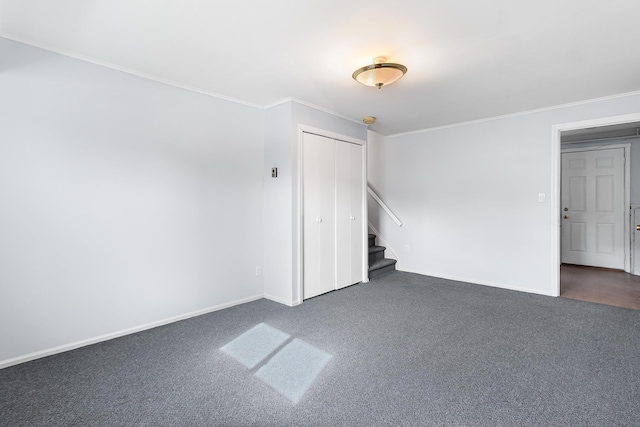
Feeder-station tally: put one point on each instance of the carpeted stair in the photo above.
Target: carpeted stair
(378, 264)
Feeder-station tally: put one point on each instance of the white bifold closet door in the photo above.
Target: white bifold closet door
(349, 211)
(318, 215)
(333, 197)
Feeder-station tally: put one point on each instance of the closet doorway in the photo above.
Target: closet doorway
(333, 213)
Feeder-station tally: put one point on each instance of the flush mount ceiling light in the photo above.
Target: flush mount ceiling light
(379, 73)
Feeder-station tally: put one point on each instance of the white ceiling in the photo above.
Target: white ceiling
(467, 59)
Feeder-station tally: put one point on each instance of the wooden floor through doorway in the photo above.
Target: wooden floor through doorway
(600, 285)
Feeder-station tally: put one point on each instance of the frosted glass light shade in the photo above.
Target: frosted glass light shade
(380, 74)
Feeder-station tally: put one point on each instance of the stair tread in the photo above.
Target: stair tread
(372, 236)
(382, 263)
(375, 249)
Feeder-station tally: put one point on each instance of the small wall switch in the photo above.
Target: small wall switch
(274, 172)
(542, 197)
(407, 249)
(258, 271)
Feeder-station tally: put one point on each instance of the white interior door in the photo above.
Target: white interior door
(333, 216)
(318, 215)
(349, 214)
(593, 208)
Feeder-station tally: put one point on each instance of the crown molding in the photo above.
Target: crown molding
(106, 64)
(315, 107)
(157, 79)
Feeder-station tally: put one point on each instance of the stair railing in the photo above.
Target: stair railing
(384, 206)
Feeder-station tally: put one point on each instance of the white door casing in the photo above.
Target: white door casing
(635, 240)
(593, 208)
(554, 199)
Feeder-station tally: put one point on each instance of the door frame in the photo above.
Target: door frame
(633, 222)
(556, 164)
(626, 194)
(302, 129)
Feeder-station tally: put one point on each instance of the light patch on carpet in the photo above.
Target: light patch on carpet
(293, 369)
(255, 345)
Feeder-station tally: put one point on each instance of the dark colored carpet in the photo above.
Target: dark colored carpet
(407, 350)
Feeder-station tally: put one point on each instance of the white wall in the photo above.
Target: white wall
(123, 202)
(468, 196)
(376, 215)
(282, 214)
(278, 231)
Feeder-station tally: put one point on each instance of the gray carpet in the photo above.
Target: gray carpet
(407, 350)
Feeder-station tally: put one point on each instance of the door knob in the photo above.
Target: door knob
(319, 220)
(353, 218)
(565, 217)
(565, 209)
(637, 227)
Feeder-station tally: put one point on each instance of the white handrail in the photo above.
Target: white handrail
(384, 206)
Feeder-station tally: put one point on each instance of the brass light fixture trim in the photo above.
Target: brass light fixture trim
(379, 73)
(368, 120)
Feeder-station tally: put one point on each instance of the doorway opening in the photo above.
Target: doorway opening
(594, 254)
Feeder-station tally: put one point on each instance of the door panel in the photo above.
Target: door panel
(578, 234)
(577, 194)
(605, 193)
(318, 215)
(349, 212)
(593, 208)
(357, 214)
(343, 214)
(605, 238)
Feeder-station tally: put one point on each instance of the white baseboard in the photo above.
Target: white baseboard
(481, 282)
(282, 301)
(106, 337)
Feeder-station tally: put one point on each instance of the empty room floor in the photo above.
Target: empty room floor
(600, 285)
(401, 350)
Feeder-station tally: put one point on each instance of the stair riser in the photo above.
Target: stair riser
(382, 271)
(375, 257)
(372, 241)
